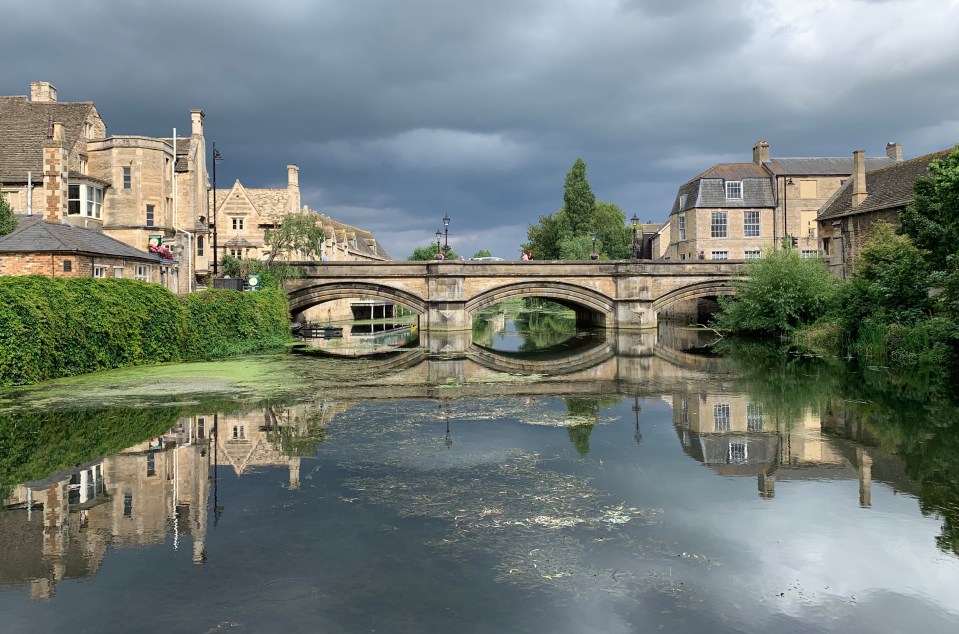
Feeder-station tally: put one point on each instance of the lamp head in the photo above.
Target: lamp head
(446, 220)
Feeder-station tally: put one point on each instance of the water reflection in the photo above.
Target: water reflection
(620, 496)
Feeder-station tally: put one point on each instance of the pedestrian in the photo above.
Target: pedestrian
(525, 256)
(702, 255)
(439, 255)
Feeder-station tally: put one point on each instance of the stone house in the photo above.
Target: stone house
(847, 219)
(735, 210)
(56, 158)
(40, 246)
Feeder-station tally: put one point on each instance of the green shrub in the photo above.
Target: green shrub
(223, 323)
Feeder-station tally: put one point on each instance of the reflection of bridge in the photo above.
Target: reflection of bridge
(617, 362)
(446, 295)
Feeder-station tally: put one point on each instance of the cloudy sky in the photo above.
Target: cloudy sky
(400, 112)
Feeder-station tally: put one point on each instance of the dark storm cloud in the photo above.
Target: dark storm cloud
(398, 113)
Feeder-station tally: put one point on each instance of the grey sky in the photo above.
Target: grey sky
(399, 112)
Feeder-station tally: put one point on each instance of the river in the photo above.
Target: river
(648, 484)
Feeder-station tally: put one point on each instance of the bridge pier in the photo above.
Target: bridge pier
(445, 342)
(631, 315)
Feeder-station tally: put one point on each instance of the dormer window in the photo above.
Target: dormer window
(682, 201)
(734, 190)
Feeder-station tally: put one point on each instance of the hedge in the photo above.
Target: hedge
(55, 327)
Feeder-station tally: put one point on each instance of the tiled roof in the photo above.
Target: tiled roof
(823, 166)
(886, 188)
(35, 235)
(365, 242)
(24, 125)
(708, 189)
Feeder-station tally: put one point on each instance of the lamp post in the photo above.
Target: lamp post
(439, 247)
(593, 255)
(634, 223)
(786, 238)
(638, 436)
(446, 235)
(217, 158)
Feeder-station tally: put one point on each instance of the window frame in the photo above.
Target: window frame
(719, 229)
(721, 417)
(74, 204)
(237, 223)
(127, 177)
(719, 255)
(752, 223)
(731, 188)
(151, 215)
(681, 220)
(752, 254)
(141, 273)
(99, 271)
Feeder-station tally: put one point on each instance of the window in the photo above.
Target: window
(73, 200)
(200, 424)
(99, 271)
(150, 209)
(151, 464)
(88, 130)
(141, 272)
(721, 417)
(684, 413)
(751, 254)
(734, 190)
(83, 165)
(127, 505)
(67, 266)
(97, 202)
(127, 177)
(751, 224)
(682, 227)
(825, 246)
(719, 255)
(717, 224)
(682, 201)
(738, 453)
(755, 419)
(809, 253)
(237, 253)
(118, 271)
(199, 246)
(237, 224)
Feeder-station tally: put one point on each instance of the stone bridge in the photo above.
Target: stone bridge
(446, 295)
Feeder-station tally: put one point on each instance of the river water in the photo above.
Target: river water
(643, 485)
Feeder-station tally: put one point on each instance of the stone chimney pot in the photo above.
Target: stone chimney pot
(43, 92)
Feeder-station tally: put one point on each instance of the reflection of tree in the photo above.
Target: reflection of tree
(579, 436)
(911, 417)
(297, 437)
(586, 410)
(544, 324)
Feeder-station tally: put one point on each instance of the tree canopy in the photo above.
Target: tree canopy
(298, 236)
(7, 220)
(578, 199)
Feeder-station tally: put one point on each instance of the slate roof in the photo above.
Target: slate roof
(35, 235)
(24, 125)
(365, 241)
(886, 188)
(708, 189)
(823, 166)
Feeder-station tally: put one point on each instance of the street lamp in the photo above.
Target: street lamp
(634, 223)
(446, 235)
(786, 238)
(439, 247)
(594, 255)
(638, 436)
(217, 159)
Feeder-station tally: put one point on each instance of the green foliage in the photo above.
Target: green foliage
(55, 327)
(8, 221)
(613, 237)
(222, 323)
(422, 254)
(297, 237)
(782, 292)
(575, 248)
(932, 220)
(270, 275)
(544, 238)
(483, 253)
(52, 327)
(579, 200)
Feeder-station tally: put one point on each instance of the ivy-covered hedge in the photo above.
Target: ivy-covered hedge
(222, 323)
(55, 327)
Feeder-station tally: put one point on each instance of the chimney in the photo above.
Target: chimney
(894, 150)
(760, 152)
(55, 179)
(858, 178)
(43, 92)
(196, 119)
(293, 188)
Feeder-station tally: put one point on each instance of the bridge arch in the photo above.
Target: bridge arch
(585, 301)
(698, 290)
(309, 296)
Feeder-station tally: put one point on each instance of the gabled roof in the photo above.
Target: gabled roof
(35, 235)
(822, 166)
(365, 245)
(888, 187)
(24, 126)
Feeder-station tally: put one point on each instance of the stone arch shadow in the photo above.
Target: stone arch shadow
(310, 296)
(592, 308)
(709, 289)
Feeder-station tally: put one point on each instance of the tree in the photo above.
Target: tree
(429, 253)
(297, 236)
(932, 220)
(544, 238)
(483, 253)
(781, 293)
(613, 238)
(8, 222)
(579, 200)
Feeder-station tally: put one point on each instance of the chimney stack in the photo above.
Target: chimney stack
(196, 121)
(43, 92)
(55, 178)
(760, 152)
(894, 150)
(858, 177)
(293, 188)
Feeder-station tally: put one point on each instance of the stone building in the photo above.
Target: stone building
(735, 210)
(847, 219)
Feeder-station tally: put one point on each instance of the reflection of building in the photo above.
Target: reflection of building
(61, 527)
(734, 436)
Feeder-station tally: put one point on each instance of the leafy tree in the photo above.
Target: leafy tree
(429, 253)
(483, 253)
(575, 247)
(613, 237)
(932, 220)
(298, 236)
(544, 238)
(781, 293)
(579, 200)
(8, 221)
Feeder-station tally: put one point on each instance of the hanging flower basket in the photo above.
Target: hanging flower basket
(163, 251)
